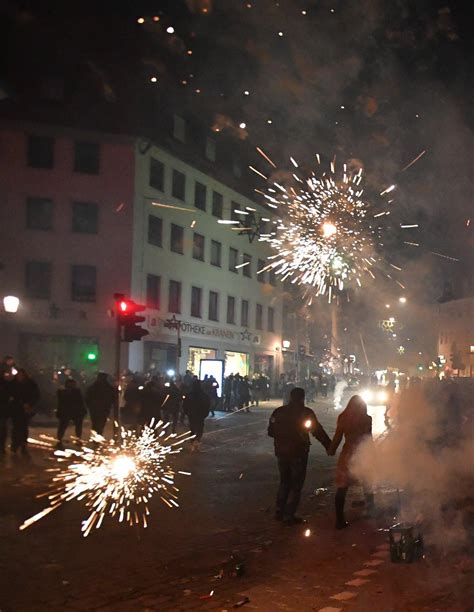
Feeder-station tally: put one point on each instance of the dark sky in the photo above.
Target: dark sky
(375, 80)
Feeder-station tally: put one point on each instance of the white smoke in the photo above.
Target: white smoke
(428, 456)
(338, 391)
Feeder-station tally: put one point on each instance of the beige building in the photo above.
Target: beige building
(456, 336)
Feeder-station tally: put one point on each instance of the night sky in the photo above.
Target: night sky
(369, 80)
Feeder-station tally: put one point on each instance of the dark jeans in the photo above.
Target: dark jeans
(98, 419)
(292, 476)
(21, 421)
(197, 428)
(64, 422)
(171, 417)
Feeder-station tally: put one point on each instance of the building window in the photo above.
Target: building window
(217, 204)
(213, 306)
(200, 192)
(216, 253)
(259, 317)
(210, 151)
(155, 230)
(196, 301)
(231, 310)
(85, 217)
(247, 268)
(272, 275)
(198, 246)
(179, 185)
(86, 157)
(244, 313)
(38, 279)
(235, 215)
(40, 153)
(157, 174)
(39, 213)
(261, 276)
(83, 283)
(233, 259)
(177, 238)
(153, 290)
(174, 297)
(179, 128)
(271, 319)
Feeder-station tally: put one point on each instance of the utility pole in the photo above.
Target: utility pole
(118, 337)
(175, 323)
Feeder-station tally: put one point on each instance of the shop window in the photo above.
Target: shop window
(38, 279)
(231, 310)
(177, 239)
(272, 277)
(213, 306)
(200, 193)
(195, 355)
(244, 313)
(157, 174)
(153, 290)
(196, 301)
(198, 246)
(39, 213)
(216, 253)
(174, 297)
(259, 317)
(236, 363)
(155, 230)
(83, 283)
(40, 152)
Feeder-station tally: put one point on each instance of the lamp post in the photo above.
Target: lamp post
(175, 323)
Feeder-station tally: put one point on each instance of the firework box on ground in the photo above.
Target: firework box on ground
(406, 543)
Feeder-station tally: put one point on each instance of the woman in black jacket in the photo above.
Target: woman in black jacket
(196, 406)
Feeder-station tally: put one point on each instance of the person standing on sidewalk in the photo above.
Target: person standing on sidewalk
(25, 394)
(290, 426)
(100, 398)
(196, 407)
(6, 406)
(356, 426)
(70, 407)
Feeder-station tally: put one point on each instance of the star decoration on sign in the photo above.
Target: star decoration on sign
(245, 335)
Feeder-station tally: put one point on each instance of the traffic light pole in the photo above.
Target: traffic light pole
(118, 339)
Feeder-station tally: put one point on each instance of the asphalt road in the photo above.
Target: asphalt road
(225, 518)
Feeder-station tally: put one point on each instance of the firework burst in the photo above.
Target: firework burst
(328, 234)
(115, 478)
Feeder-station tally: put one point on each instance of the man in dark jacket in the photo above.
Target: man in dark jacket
(25, 394)
(290, 426)
(196, 407)
(70, 408)
(100, 398)
(171, 404)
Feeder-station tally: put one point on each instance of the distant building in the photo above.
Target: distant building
(456, 336)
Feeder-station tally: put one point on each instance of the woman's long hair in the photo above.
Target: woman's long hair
(356, 408)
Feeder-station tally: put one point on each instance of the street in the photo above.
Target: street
(225, 519)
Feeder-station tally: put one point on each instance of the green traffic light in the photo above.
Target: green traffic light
(91, 357)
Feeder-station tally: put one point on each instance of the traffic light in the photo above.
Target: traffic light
(91, 356)
(128, 319)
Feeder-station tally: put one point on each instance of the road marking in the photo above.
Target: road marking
(374, 562)
(365, 572)
(357, 582)
(330, 610)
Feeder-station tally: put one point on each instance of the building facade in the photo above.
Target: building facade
(66, 202)
(189, 266)
(456, 336)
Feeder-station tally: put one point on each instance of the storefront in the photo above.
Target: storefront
(264, 364)
(195, 354)
(236, 363)
(160, 356)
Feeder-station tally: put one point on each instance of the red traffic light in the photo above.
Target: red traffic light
(128, 319)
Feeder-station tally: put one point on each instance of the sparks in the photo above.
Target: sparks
(115, 478)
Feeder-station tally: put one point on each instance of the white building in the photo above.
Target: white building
(187, 265)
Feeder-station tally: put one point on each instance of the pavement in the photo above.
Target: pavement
(187, 558)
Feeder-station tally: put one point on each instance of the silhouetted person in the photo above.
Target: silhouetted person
(70, 407)
(172, 404)
(356, 426)
(6, 406)
(290, 426)
(25, 394)
(100, 398)
(196, 407)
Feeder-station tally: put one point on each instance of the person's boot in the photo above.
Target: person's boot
(341, 522)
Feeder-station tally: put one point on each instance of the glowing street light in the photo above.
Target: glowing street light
(11, 303)
(402, 300)
(286, 344)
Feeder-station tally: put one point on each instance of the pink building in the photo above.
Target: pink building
(66, 211)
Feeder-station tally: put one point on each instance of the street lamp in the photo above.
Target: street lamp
(11, 303)
(402, 300)
(286, 344)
